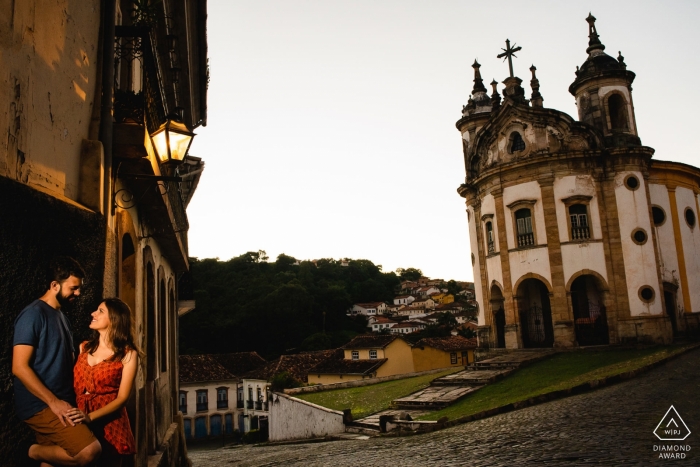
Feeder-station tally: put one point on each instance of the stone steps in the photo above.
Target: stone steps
(434, 397)
(473, 377)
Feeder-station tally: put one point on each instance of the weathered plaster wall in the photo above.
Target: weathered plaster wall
(640, 260)
(573, 185)
(48, 64)
(474, 224)
(580, 256)
(34, 227)
(533, 260)
(524, 191)
(685, 199)
(668, 254)
(292, 418)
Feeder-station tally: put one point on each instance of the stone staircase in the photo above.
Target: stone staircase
(449, 389)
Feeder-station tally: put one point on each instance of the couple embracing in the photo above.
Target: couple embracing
(74, 406)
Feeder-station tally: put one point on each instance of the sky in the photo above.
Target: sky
(331, 124)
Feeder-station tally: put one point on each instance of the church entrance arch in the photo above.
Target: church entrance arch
(499, 316)
(535, 314)
(590, 319)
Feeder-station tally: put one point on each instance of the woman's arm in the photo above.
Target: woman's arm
(128, 374)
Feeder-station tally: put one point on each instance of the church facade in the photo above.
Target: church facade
(578, 236)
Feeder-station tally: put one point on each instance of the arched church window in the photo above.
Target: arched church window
(489, 238)
(690, 217)
(517, 143)
(523, 219)
(617, 113)
(578, 218)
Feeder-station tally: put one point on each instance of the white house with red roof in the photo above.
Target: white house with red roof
(368, 309)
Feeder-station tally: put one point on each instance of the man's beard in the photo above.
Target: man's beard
(63, 300)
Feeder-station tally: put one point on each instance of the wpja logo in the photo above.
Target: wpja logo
(672, 428)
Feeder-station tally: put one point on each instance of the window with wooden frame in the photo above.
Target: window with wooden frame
(523, 225)
(523, 222)
(489, 235)
(578, 217)
(355, 355)
(578, 222)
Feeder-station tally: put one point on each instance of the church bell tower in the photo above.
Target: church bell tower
(603, 92)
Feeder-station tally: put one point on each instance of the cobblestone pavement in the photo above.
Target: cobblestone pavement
(612, 426)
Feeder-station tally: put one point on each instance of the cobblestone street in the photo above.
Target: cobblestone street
(611, 426)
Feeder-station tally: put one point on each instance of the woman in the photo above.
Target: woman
(103, 378)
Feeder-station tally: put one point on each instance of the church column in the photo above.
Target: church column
(562, 316)
(617, 304)
(484, 333)
(512, 327)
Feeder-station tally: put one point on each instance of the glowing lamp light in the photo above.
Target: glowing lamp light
(172, 141)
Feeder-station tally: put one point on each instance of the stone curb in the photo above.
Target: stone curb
(550, 396)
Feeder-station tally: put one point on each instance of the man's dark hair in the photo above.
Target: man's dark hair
(61, 268)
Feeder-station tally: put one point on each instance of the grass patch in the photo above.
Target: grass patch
(562, 371)
(366, 400)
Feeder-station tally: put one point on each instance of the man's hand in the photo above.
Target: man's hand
(78, 416)
(61, 409)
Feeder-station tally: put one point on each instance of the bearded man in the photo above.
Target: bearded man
(42, 362)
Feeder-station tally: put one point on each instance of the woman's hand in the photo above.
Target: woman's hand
(78, 416)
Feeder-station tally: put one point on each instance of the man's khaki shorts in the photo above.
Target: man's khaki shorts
(50, 431)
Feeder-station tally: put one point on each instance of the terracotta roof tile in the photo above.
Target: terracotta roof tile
(296, 365)
(348, 367)
(196, 368)
(239, 363)
(447, 344)
(366, 341)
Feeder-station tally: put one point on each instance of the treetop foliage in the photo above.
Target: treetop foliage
(249, 303)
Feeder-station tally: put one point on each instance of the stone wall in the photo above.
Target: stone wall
(292, 418)
(34, 227)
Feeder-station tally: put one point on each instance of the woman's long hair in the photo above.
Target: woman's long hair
(121, 331)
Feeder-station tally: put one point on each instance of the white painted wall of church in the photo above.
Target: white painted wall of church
(640, 260)
(691, 244)
(533, 260)
(666, 241)
(579, 256)
(476, 267)
(524, 191)
(494, 271)
(573, 185)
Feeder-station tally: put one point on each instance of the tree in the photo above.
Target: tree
(318, 341)
(409, 274)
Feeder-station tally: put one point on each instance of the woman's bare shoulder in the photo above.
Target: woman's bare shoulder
(130, 355)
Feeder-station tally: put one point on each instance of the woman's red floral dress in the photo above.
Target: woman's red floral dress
(95, 387)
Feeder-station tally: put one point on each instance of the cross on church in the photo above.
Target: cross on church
(509, 52)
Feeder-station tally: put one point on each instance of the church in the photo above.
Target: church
(579, 236)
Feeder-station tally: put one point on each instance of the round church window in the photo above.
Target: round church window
(646, 293)
(658, 215)
(690, 217)
(632, 182)
(639, 236)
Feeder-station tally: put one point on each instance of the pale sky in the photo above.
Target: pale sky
(332, 123)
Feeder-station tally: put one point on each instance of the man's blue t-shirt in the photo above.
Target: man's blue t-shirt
(47, 330)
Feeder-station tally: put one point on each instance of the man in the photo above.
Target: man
(42, 362)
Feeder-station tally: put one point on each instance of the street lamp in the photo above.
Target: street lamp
(171, 141)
